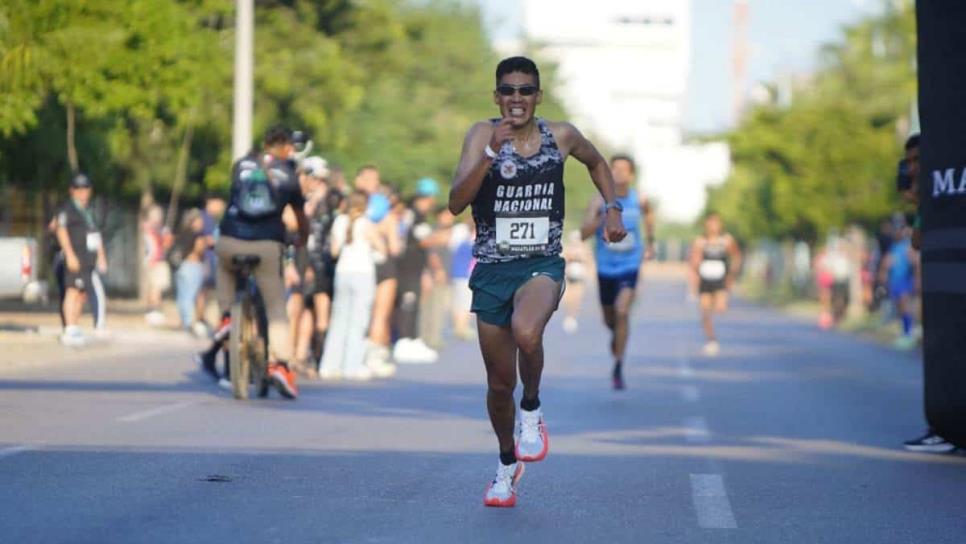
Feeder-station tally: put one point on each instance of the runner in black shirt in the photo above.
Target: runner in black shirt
(511, 171)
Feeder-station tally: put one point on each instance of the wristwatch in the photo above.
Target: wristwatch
(615, 205)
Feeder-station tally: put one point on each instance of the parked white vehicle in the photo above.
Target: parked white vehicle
(18, 269)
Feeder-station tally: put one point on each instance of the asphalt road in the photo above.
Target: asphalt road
(791, 435)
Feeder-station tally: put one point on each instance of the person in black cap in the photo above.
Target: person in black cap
(83, 250)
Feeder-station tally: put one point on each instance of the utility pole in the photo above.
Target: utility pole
(241, 138)
(739, 44)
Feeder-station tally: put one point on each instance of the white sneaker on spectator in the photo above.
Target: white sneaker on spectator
(413, 351)
(360, 374)
(200, 330)
(378, 362)
(72, 337)
(154, 318)
(430, 354)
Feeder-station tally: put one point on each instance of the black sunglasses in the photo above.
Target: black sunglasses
(525, 90)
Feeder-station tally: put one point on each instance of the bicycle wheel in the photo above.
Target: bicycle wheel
(259, 363)
(238, 349)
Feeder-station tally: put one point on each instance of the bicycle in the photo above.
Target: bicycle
(248, 339)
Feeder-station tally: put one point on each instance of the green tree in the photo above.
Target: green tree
(827, 158)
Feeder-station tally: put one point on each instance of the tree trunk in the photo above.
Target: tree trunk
(181, 174)
(71, 147)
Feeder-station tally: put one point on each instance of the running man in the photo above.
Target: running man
(715, 261)
(619, 264)
(511, 172)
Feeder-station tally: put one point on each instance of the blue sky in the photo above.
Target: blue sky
(784, 36)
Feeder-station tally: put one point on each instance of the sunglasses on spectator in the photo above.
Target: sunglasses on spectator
(525, 90)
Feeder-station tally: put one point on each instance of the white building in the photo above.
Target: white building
(623, 74)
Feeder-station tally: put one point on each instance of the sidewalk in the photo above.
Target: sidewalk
(29, 335)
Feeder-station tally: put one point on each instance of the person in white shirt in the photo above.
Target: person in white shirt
(354, 240)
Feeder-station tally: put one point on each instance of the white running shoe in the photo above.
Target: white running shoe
(712, 348)
(502, 491)
(570, 325)
(533, 442)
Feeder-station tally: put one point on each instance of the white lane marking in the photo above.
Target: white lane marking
(684, 366)
(14, 450)
(145, 414)
(690, 393)
(711, 502)
(696, 430)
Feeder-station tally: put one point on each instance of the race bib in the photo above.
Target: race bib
(515, 235)
(93, 241)
(627, 244)
(712, 270)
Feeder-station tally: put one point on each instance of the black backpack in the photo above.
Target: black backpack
(256, 190)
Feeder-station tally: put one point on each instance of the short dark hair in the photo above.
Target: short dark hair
(277, 135)
(212, 194)
(366, 167)
(517, 64)
(624, 157)
(912, 142)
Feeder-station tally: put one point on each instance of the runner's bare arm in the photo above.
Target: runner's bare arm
(735, 253)
(571, 142)
(648, 228)
(697, 249)
(474, 164)
(591, 217)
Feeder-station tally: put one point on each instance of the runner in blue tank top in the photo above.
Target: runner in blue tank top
(619, 264)
(511, 171)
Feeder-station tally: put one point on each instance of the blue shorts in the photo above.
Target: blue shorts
(609, 287)
(900, 288)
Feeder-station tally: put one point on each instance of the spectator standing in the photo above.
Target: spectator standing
(211, 215)
(188, 256)
(83, 252)
(410, 348)
(157, 242)
(354, 241)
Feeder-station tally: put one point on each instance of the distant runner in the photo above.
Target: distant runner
(715, 260)
(619, 264)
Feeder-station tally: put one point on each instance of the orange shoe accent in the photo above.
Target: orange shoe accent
(543, 452)
(512, 500)
(284, 380)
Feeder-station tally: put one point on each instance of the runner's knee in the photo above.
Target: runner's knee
(528, 336)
